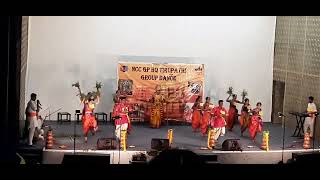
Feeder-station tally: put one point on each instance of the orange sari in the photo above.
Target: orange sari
(205, 119)
(233, 113)
(255, 124)
(88, 119)
(245, 118)
(196, 116)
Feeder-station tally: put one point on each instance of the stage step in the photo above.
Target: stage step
(31, 157)
(209, 159)
(86, 159)
(305, 157)
(31, 154)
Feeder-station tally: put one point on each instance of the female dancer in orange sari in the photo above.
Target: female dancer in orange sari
(88, 118)
(206, 116)
(256, 122)
(89, 102)
(233, 112)
(196, 115)
(245, 116)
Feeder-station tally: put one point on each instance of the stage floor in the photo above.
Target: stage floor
(183, 137)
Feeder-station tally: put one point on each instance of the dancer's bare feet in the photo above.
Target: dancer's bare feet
(85, 139)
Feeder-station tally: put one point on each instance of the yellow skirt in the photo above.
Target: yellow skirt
(156, 116)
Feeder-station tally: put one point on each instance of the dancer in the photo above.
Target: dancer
(120, 114)
(219, 120)
(309, 122)
(89, 102)
(196, 115)
(88, 118)
(255, 125)
(233, 111)
(245, 116)
(206, 116)
(157, 109)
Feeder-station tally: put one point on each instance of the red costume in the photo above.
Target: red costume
(205, 119)
(233, 114)
(121, 110)
(245, 117)
(88, 119)
(196, 116)
(219, 116)
(256, 123)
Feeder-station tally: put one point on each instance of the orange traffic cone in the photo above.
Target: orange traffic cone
(265, 141)
(306, 141)
(211, 141)
(49, 140)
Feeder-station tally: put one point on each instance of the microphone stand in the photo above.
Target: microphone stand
(74, 139)
(117, 139)
(314, 130)
(119, 144)
(283, 135)
(114, 136)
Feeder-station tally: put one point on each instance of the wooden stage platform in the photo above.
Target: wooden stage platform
(184, 138)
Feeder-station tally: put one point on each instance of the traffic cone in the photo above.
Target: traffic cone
(123, 140)
(306, 141)
(265, 141)
(211, 141)
(49, 140)
(170, 136)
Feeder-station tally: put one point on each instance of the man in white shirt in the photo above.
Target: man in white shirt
(309, 122)
(33, 122)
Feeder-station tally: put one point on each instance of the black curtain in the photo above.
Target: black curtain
(10, 65)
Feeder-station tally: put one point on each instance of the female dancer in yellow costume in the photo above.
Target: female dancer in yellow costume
(157, 109)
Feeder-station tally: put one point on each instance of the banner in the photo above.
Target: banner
(178, 84)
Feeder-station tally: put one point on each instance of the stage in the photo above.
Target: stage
(183, 138)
